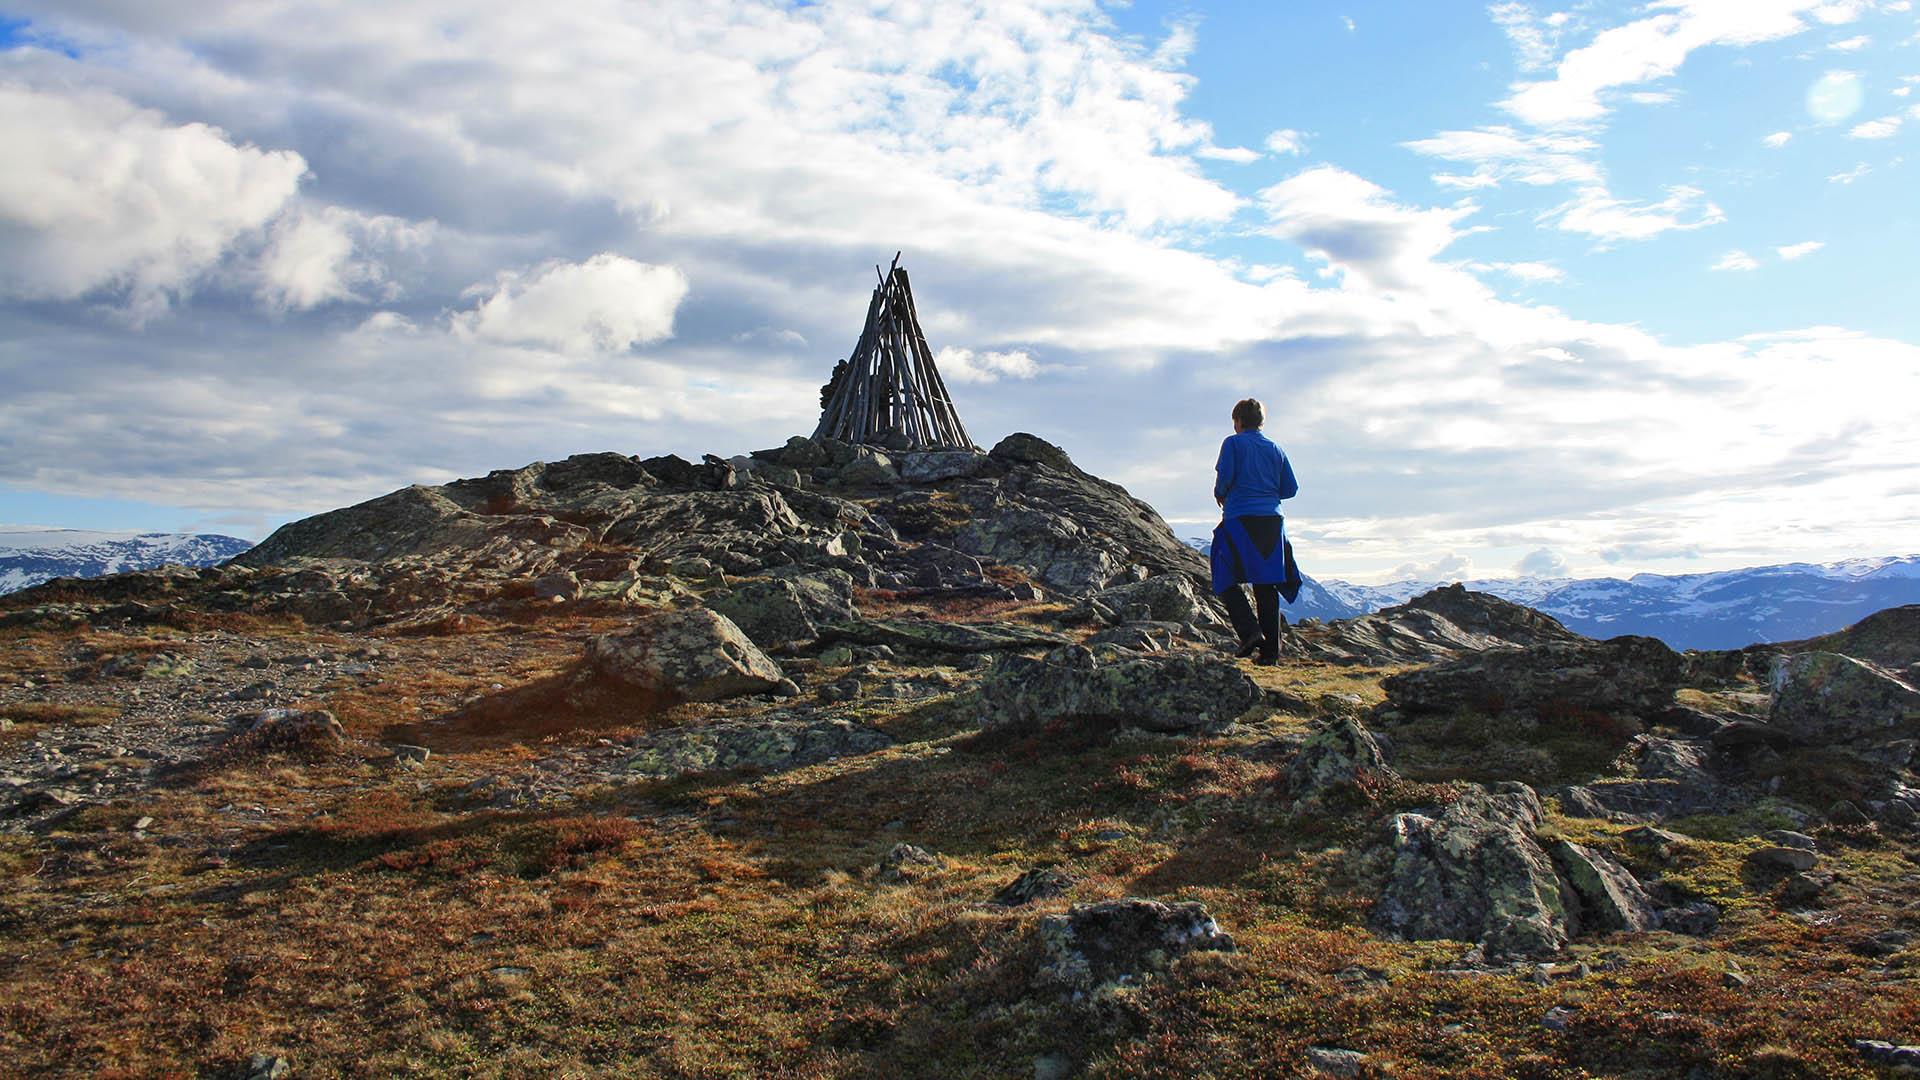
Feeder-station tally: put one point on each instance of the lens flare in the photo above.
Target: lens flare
(1834, 96)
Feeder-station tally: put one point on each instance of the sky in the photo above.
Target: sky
(1527, 289)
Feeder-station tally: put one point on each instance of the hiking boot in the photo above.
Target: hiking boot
(1249, 647)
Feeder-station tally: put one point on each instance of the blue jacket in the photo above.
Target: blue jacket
(1253, 475)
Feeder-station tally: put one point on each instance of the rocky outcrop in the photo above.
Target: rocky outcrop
(1823, 697)
(1121, 941)
(928, 635)
(1625, 674)
(1607, 898)
(1474, 872)
(1165, 598)
(697, 654)
(1177, 693)
(774, 743)
(1443, 624)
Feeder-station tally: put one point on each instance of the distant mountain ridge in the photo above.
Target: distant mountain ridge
(31, 554)
(1725, 609)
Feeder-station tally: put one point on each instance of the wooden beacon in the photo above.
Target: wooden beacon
(889, 393)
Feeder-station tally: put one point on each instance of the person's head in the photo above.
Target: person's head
(1248, 415)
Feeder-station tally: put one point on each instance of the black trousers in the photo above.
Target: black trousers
(1265, 628)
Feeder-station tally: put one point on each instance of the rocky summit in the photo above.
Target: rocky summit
(835, 760)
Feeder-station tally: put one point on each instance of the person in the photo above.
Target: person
(1250, 544)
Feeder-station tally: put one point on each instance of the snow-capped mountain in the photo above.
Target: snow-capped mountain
(31, 554)
(1724, 609)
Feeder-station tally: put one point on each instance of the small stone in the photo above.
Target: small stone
(1052, 1067)
(409, 756)
(1885, 943)
(1805, 888)
(837, 656)
(268, 1067)
(1847, 814)
(1733, 978)
(905, 862)
(1551, 973)
(1334, 1061)
(1789, 838)
(787, 688)
(143, 824)
(1040, 883)
(1557, 1018)
(1697, 919)
(1881, 1052)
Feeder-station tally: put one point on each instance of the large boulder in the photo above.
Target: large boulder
(1031, 449)
(1442, 624)
(1178, 693)
(1170, 598)
(1635, 675)
(1120, 941)
(933, 466)
(1338, 752)
(1823, 697)
(1474, 872)
(696, 654)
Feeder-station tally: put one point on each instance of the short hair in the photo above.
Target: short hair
(1250, 413)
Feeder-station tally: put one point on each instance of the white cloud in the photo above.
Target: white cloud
(967, 366)
(1852, 44)
(1778, 139)
(1238, 155)
(1503, 154)
(608, 303)
(1800, 250)
(100, 196)
(1850, 175)
(328, 254)
(1541, 563)
(1287, 141)
(1449, 567)
(1530, 272)
(1736, 260)
(1356, 227)
(1648, 49)
(1347, 21)
(1882, 128)
(1535, 41)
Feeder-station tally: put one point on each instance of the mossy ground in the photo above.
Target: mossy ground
(365, 920)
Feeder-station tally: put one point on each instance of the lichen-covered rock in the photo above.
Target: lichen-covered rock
(907, 862)
(1338, 751)
(1177, 693)
(933, 466)
(290, 729)
(1823, 697)
(1033, 449)
(1116, 941)
(1474, 872)
(1610, 899)
(1169, 598)
(782, 611)
(1623, 674)
(1039, 883)
(869, 468)
(696, 654)
(774, 743)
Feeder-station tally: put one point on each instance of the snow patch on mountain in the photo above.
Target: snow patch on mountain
(32, 554)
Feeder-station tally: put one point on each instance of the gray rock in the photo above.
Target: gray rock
(1115, 941)
(928, 635)
(1337, 752)
(1823, 697)
(904, 863)
(1789, 838)
(695, 654)
(1474, 872)
(1624, 674)
(1658, 844)
(1158, 692)
(408, 754)
(1696, 919)
(783, 611)
(1039, 883)
(869, 468)
(1023, 447)
(1609, 898)
(1881, 1052)
(263, 1066)
(291, 729)
(1783, 859)
(556, 585)
(1334, 1061)
(1167, 598)
(773, 744)
(933, 466)
(1443, 624)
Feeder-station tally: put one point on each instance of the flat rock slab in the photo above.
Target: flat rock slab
(1623, 674)
(1175, 693)
(1823, 697)
(772, 744)
(933, 636)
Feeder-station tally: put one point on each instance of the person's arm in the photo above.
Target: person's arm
(1223, 473)
(1289, 487)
